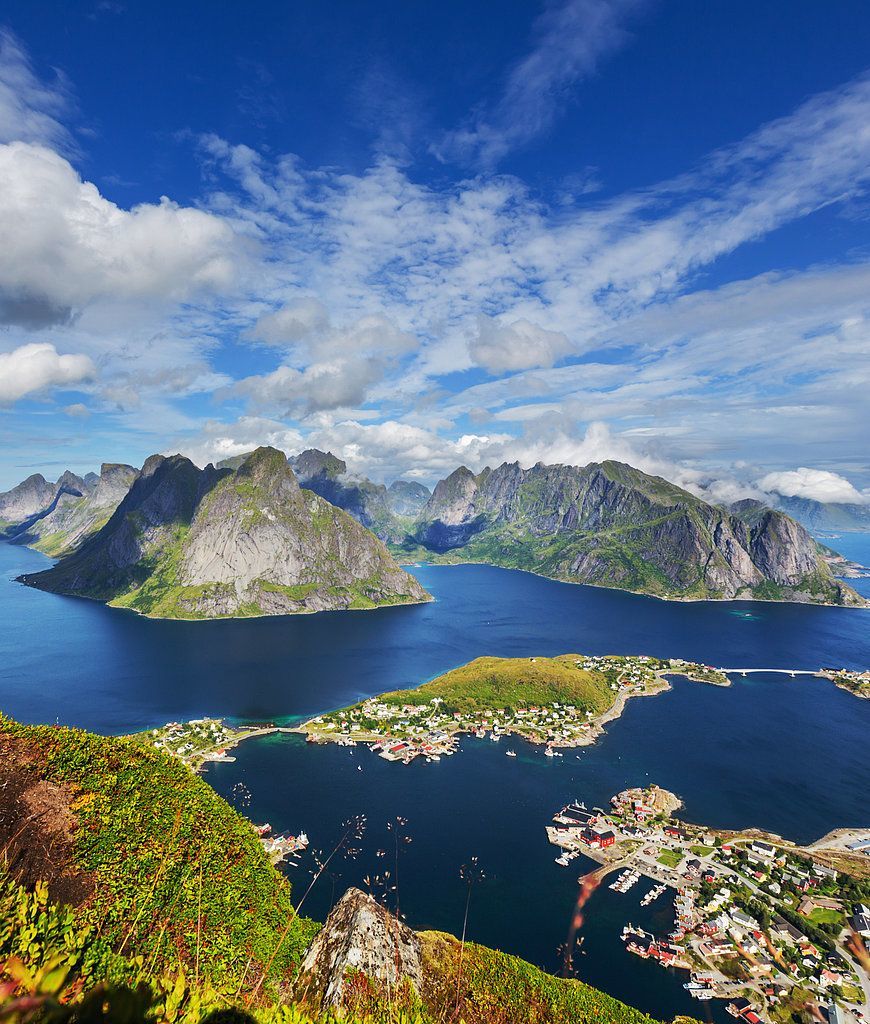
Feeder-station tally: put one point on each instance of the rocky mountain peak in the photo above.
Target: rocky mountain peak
(313, 462)
(359, 936)
(268, 467)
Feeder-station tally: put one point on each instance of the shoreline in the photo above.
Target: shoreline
(449, 732)
(640, 593)
(594, 728)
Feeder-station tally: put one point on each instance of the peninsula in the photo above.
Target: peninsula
(564, 701)
(772, 927)
(560, 702)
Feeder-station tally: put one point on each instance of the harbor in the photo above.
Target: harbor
(758, 921)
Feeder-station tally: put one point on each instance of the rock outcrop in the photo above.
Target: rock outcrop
(359, 937)
(191, 543)
(612, 525)
(387, 512)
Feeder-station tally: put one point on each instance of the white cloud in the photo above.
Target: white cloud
(291, 323)
(571, 38)
(36, 367)
(816, 484)
(77, 411)
(520, 345)
(215, 441)
(331, 369)
(64, 245)
(30, 110)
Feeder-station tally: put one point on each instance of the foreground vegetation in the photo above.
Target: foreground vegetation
(159, 904)
(159, 870)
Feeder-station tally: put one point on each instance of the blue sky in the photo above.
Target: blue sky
(425, 235)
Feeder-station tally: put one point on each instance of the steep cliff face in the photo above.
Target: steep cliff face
(79, 508)
(373, 505)
(612, 525)
(26, 499)
(191, 543)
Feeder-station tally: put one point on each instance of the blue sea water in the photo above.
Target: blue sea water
(788, 755)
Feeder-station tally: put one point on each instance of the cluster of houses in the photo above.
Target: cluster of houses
(195, 740)
(745, 909)
(403, 731)
(857, 682)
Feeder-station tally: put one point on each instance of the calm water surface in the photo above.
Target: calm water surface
(784, 754)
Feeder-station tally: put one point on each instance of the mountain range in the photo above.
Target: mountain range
(186, 542)
(606, 524)
(825, 515)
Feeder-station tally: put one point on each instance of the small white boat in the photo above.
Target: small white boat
(511, 753)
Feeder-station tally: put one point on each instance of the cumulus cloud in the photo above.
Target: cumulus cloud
(291, 323)
(215, 441)
(36, 367)
(816, 484)
(330, 369)
(571, 39)
(63, 245)
(520, 345)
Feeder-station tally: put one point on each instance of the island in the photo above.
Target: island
(772, 927)
(562, 701)
(559, 702)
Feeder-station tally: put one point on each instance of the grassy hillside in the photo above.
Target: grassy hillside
(487, 683)
(490, 982)
(130, 892)
(152, 861)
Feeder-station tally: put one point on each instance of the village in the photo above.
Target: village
(402, 730)
(758, 922)
(853, 681)
(201, 740)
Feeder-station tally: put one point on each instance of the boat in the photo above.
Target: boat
(495, 737)
(563, 860)
(549, 752)
(511, 753)
(436, 757)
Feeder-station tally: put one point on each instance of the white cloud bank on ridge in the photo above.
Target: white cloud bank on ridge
(816, 484)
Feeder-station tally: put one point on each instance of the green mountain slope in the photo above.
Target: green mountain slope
(191, 543)
(122, 868)
(612, 525)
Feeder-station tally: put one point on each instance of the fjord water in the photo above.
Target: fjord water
(783, 754)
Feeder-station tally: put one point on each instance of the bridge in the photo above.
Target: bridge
(780, 671)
